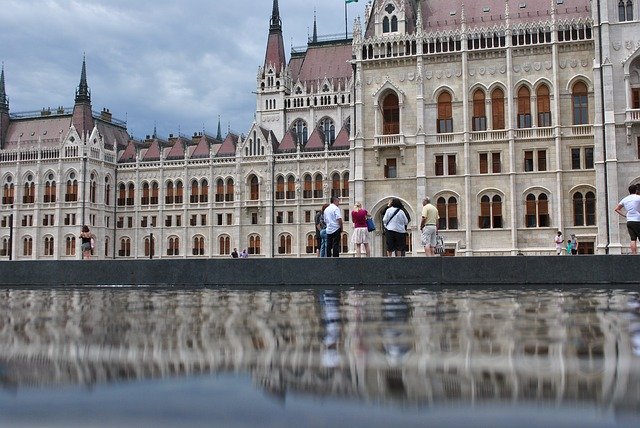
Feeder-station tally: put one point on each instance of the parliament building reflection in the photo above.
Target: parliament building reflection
(419, 348)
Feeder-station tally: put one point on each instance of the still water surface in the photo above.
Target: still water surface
(316, 358)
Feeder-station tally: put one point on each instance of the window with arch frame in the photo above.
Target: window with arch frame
(307, 190)
(125, 247)
(220, 193)
(625, 10)
(584, 208)
(198, 246)
(70, 246)
(173, 247)
(107, 191)
(146, 192)
(524, 107)
(536, 210)
(254, 188)
(280, 188)
(49, 190)
(301, 131)
(72, 190)
(580, 101)
(224, 245)
(27, 246)
(479, 111)
(448, 212)
(497, 109)
(543, 100)
(444, 122)
(390, 114)
(285, 246)
(254, 244)
(93, 189)
(48, 246)
(318, 191)
(312, 243)
(195, 191)
(328, 128)
(490, 212)
(291, 187)
(229, 190)
(8, 192)
(29, 193)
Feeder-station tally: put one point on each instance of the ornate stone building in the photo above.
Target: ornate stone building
(518, 119)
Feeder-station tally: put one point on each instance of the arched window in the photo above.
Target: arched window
(335, 185)
(204, 191)
(224, 244)
(291, 187)
(27, 246)
(448, 212)
(625, 10)
(254, 244)
(301, 131)
(497, 109)
(122, 194)
(280, 187)
(394, 24)
(544, 106)
(285, 244)
(344, 242)
(230, 190)
(70, 246)
(107, 191)
(93, 189)
(490, 212)
(125, 247)
(524, 107)
(170, 196)
(146, 192)
(254, 186)
(317, 186)
(537, 210)
(106, 246)
(584, 209)
(328, 130)
(72, 189)
(49, 190)
(479, 113)
(155, 191)
(580, 104)
(173, 249)
(312, 243)
(130, 194)
(445, 113)
(307, 191)
(48, 246)
(179, 192)
(149, 246)
(29, 194)
(8, 192)
(345, 185)
(198, 246)
(386, 27)
(220, 190)
(390, 114)
(195, 191)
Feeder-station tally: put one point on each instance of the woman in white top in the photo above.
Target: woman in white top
(395, 222)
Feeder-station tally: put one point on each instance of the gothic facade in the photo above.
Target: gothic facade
(518, 119)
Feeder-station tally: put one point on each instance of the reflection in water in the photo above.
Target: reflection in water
(420, 347)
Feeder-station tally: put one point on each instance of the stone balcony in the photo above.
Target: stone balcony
(633, 116)
(393, 140)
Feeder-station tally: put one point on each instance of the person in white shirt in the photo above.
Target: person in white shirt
(395, 222)
(631, 204)
(558, 240)
(333, 220)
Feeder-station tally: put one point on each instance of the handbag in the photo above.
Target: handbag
(439, 249)
(371, 226)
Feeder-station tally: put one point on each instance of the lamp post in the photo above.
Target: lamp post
(10, 249)
(150, 245)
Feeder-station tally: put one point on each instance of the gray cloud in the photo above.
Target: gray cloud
(175, 64)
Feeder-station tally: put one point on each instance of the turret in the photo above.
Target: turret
(82, 117)
(275, 56)
(4, 110)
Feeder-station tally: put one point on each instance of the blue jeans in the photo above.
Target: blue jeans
(323, 243)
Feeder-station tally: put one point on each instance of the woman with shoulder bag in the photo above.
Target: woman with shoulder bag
(395, 222)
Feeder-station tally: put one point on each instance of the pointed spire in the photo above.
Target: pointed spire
(315, 28)
(219, 136)
(82, 93)
(4, 102)
(276, 22)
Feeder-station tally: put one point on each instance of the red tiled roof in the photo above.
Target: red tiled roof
(153, 152)
(288, 143)
(202, 149)
(51, 130)
(315, 141)
(330, 61)
(177, 149)
(228, 147)
(275, 52)
(129, 154)
(342, 140)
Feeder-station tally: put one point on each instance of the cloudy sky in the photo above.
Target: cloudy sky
(173, 64)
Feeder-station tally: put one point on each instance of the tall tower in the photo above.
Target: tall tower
(82, 117)
(273, 79)
(4, 110)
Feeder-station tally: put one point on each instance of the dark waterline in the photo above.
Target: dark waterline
(319, 357)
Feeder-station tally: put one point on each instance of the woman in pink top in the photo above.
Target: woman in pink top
(360, 232)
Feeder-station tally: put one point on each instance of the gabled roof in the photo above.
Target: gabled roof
(228, 147)
(315, 141)
(202, 149)
(342, 140)
(153, 152)
(289, 142)
(331, 61)
(129, 154)
(177, 148)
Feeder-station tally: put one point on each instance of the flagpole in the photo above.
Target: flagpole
(346, 27)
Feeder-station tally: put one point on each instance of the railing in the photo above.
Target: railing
(633, 115)
(528, 133)
(489, 135)
(581, 130)
(390, 140)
